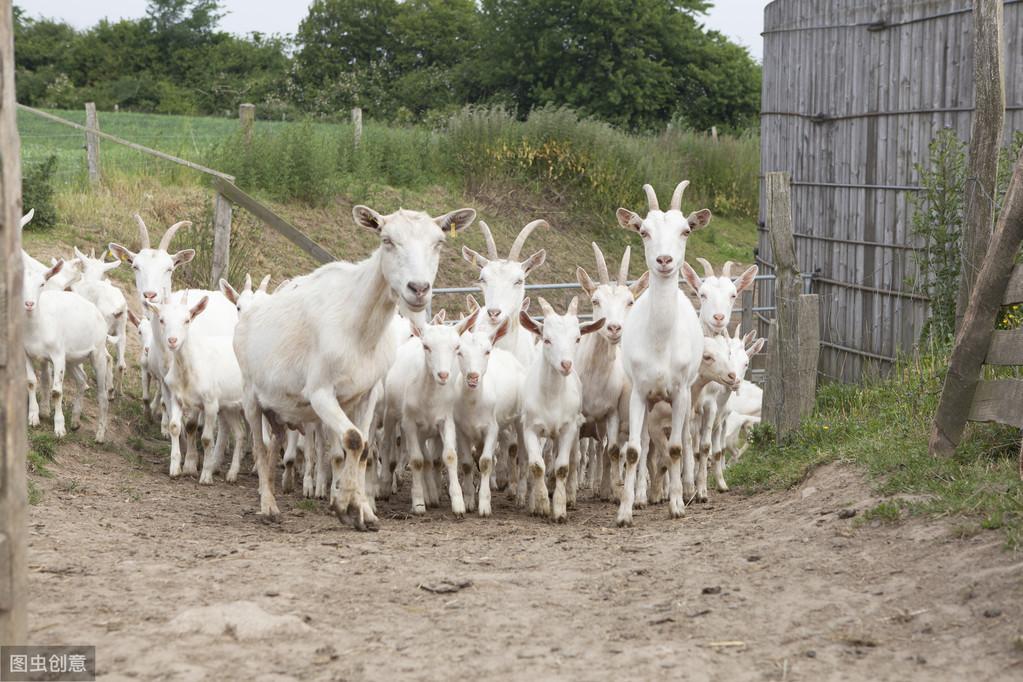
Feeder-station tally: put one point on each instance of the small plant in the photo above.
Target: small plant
(42, 449)
(37, 190)
(885, 512)
(35, 495)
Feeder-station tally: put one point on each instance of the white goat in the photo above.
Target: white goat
(202, 375)
(662, 343)
(64, 330)
(737, 431)
(600, 364)
(717, 294)
(424, 378)
(503, 281)
(551, 400)
(95, 288)
(488, 401)
(711, 408)
(313, 351)
(150, 370)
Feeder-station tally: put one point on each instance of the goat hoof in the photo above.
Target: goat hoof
(560, 519)
(206, 478)
(419, 509)
(624, 521)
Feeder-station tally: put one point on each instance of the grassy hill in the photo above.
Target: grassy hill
(570, 172)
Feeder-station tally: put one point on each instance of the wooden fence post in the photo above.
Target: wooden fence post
(247, 118)
(788, 394)
(746, 319)
(809, 348)
(13, 492)
(985, 139)
(357, 124)
(974, 336)
(92, 142)
(221, 238)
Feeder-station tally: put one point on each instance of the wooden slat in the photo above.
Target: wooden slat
(294, 235)
(998, 400)
(1014, 291)
(1006, 348)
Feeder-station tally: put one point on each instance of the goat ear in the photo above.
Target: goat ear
(456, 221)
(748, 338)
(264, 283)
(525, 305)
(134, 319)
(529, 324)
(146, 303)
(757, 346)
(112, 265)
(471, 304)
(534, 261)
(591, 327)
(199, 307)
(57, 267)
(628, 219)
(121, 253)
(573, 306)
(182, 257)
(468, 323)
(500, 331)
(746, 279)
(416, 331)
(368, 218)
(473, 257)
(248, 282)
(440, 317)
(585, 282)
(699, 219)
(229, 291)
(640, 285)
(692, 279)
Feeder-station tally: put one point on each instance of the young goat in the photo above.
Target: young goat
(488, 401)
(600, 363)
(203, 376)
(64, 330)
(551, 402)
(661, 344)
(150, 371)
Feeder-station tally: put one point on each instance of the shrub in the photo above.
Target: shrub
(37, 189)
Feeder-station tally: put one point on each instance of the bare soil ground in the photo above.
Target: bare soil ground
(171, 580)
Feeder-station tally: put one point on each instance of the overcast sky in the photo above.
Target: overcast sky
(741, 20)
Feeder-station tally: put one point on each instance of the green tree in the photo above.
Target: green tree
(339, 36)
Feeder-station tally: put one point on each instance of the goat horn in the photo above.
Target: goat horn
(623, 271)
(708, 269)
(520, 240)
(489, 237)
(676, 198)
(651, 198)
(143, 233)
(171, 231)
(726, 270)
(601, 265)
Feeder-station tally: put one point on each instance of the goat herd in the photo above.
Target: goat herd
(342, 365)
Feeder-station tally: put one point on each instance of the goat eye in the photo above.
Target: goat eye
(708, 358)
(486, 353)
(547, 342)
(596, 304)
(387, 241)
(631, 303)
(426, 348)
(578, 339)
(518, 282)
(644, 234)
(685, 233)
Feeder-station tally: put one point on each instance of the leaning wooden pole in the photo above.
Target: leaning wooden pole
(13, 493)
(985, 138)
(971, 344)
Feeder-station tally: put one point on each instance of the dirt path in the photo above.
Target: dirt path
(175, 581)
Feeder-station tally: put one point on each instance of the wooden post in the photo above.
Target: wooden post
(247, 118)
(92, 142)
(809, 351)
(221, 238)
(783, 401)
(974, 336)
(13, 418)
(985, 138)
(714, 133)
(357, 124)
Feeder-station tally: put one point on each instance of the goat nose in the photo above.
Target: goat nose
(494, 313)
(443, 376)
(473, 376)
(30, 304)
(150, 295)
(664, 261)
(614, 328)
(719, 317)
(419, 288)
(731, 376)
(566, 365)
(172, 340)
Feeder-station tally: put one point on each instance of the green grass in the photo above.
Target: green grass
(884, 427)
(42, 448)
(35, 495)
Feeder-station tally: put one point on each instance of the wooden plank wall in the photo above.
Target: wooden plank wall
(875, 91)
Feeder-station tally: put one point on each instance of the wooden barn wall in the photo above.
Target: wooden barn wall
(849, 108)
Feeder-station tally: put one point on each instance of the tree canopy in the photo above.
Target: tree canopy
(634, 63)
